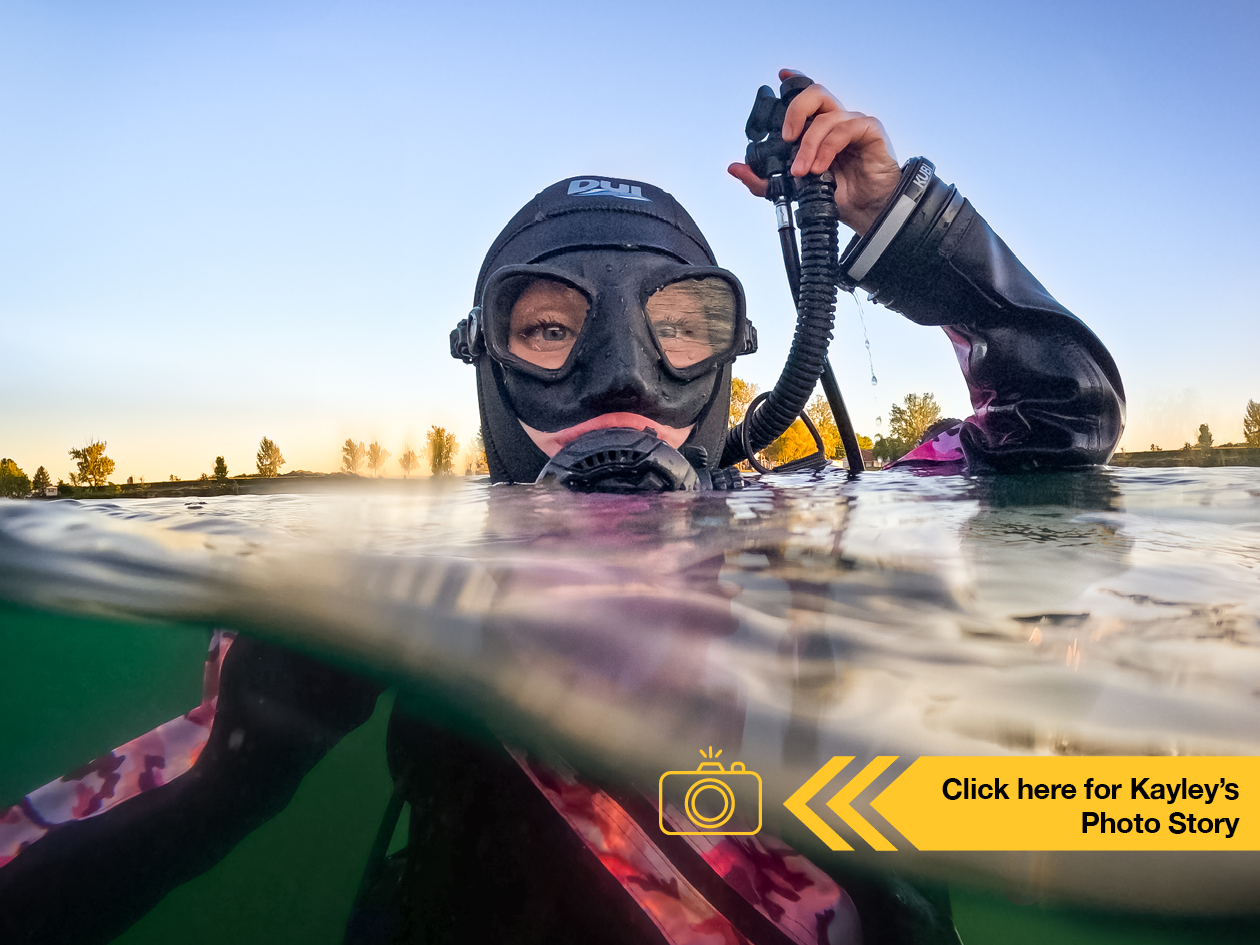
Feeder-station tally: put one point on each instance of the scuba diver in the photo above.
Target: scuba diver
(603, 335)
(600, 307)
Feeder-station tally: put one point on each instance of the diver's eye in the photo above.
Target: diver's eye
(554, 333)
(547, 336)
(678, 331)
(546, 321)
(693, 319)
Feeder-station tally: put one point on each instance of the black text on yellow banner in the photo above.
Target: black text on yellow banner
(1048, 803)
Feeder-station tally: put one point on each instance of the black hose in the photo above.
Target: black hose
(830, 386)
(815, 316)
(840, 413)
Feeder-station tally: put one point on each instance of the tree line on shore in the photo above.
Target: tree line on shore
(909, 421)
(1205, 441)
(93, 466)
(440, 449)
(907, 424)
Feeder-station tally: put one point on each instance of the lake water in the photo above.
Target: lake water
(1102, 612)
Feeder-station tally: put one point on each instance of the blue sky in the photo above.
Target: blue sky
(262, 219)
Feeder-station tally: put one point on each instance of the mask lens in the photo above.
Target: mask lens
(546, 318)
(693, 319)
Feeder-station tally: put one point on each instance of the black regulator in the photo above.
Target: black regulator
(813, 274)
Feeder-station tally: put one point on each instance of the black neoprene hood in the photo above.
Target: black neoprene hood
(591, 212)
(612, 231)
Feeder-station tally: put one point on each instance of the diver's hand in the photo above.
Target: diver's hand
(853, 146)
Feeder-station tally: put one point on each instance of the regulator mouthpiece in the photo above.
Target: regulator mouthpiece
(620, 460)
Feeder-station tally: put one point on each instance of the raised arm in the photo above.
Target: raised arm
(1044, 390)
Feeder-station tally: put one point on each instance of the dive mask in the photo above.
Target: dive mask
(537, 318)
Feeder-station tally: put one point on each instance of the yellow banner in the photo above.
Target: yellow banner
(1048, 803)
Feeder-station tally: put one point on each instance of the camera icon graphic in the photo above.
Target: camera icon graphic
(713, 799)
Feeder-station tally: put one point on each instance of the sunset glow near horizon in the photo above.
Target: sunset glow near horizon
(264, 220)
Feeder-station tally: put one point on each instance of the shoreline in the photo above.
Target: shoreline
(304, 482)
(1214, 456)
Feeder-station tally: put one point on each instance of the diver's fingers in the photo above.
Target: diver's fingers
(744, 174)
(819, 131)
(833, 133)
(811, 103)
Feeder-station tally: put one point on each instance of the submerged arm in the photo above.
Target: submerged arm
(88, 880)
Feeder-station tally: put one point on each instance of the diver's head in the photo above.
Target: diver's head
(600, 308)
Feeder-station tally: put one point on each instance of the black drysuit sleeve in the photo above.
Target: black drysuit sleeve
(87, 881)
(1044, 390)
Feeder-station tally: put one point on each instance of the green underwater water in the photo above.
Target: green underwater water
(75, 687)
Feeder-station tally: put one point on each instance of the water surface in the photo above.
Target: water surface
(1109, 612)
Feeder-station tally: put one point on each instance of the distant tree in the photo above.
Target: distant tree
(13, 481)
(352, 456)
(1251, 423)
(888, 448)
(94, 466)
(742, 394)
(441, 448)
(796, 442)
(204, 477)
(1205, 437)
(220, 468)
(268, 459)
(820, 412)
(911, 420)
(480, 463)
(41, 480)
(1156, 449)
(376, 457)
(409, 461)
(174, 478)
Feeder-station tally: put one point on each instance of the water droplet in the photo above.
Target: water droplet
(866, 338)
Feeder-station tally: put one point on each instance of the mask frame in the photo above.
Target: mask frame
(486, 329)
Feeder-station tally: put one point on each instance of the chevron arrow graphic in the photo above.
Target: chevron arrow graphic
(841, 803)
(845, 797)
(798, 803)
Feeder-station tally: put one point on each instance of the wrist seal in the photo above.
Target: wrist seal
(862, 255)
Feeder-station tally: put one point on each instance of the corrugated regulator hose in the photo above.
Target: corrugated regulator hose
(819, 223)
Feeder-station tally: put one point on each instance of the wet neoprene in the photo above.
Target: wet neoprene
(611, 235)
